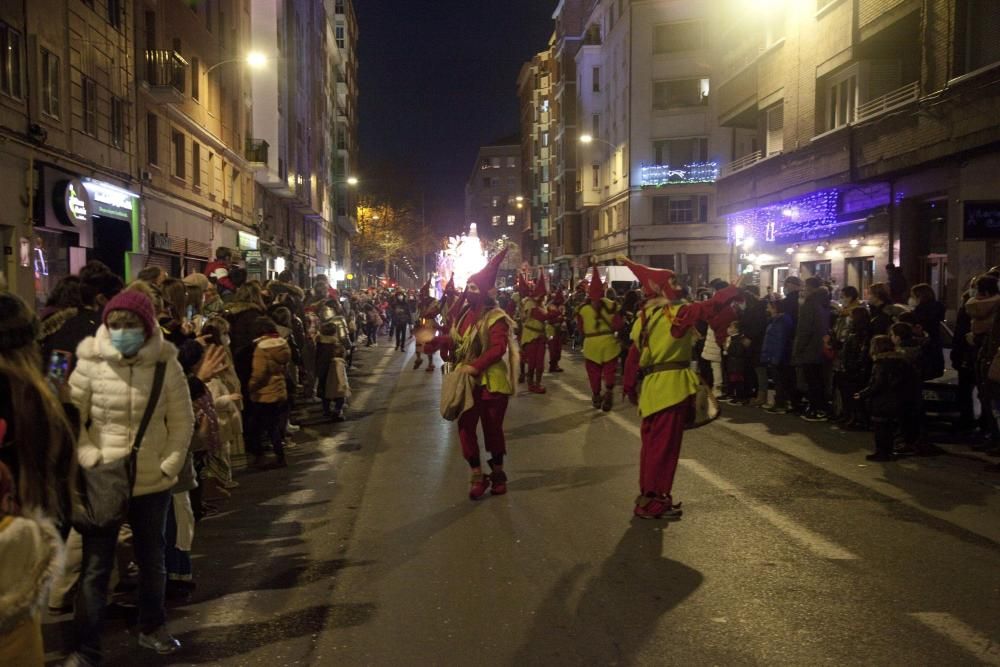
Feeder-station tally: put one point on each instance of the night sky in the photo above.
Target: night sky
(438, 78)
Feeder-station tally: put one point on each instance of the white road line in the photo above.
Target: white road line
(813, 541)
(984, 649)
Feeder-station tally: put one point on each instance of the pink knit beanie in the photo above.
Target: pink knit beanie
(134, 302)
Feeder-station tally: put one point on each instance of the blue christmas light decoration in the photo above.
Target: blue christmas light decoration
(658, 175)
(811, 216)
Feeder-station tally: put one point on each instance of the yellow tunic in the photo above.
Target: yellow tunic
(531, 329)
(476, 339)
(600, 345)
(663, 389)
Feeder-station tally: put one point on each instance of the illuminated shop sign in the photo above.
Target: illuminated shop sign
(658, 175)
(982, 219)
(71, 203)
(110, 201)
(247, 241)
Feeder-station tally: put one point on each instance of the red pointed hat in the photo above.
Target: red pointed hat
(486, 279)
(541, 289)
(425, 290)
(449, 287)
(596, 290)
(655, 282)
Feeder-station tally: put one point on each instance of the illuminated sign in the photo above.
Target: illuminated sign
(658, 175)
(72, 204)
(247, 241)
(110, 201)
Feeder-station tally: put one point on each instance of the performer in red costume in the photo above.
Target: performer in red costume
(522, 290)
(555, 329)
(479, 343)
(660, 359)
(533, 339)
(599, 320)
(428, 309)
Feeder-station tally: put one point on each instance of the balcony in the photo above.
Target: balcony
(166, 75)
(256, 152)
(896, 99)
(742, 163)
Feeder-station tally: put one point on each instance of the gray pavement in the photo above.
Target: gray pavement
(792, 551)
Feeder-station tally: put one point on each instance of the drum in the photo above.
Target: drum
(423, 333)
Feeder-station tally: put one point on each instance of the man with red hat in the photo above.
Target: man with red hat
(479, 343)
(660, 359)
(428, 309)
(533, 339)
(599, 320)
(555, 329)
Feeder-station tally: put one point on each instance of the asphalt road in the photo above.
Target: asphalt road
(792, 550)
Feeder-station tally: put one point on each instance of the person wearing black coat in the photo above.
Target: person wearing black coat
(889, 394)
(753, 323)
(928, 314)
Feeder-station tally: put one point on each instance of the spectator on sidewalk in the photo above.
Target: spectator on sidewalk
(334, 388)
(807, 351)
(753, 323)
(892, 379)
(929, 314)
(268, 389)
(855, 368)
(776, 354)
(737, 364)
(883, 311)
(899, 287)
(790, 302)
(110, 387)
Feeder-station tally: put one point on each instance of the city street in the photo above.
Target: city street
(792, 549)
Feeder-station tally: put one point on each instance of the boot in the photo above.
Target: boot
(498, 478)
(418, 362)
(539, 389)
(479, 485)
(609, 400)
(596, 401)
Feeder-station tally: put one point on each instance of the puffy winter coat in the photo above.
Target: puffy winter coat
(270, 361)
(894, 387)
(111, 393)
(813, 324)
(776, 341)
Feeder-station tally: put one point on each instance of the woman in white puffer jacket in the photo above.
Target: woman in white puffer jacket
(111, 386)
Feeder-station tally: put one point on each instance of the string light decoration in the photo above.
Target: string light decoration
(809, 217)
(658, 175)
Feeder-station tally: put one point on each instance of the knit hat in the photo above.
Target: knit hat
(197, 280)
(18, 325)
(136, 303)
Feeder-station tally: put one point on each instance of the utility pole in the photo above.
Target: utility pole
(423, 233)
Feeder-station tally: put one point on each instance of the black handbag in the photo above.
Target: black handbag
(105, 490)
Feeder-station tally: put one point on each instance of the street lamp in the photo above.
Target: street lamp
(253, 59)
(352, 180)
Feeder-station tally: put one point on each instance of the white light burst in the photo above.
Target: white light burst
(463, 257)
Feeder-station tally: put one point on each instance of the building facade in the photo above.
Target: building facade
(865, 134)
(494, 199)
(535, 94)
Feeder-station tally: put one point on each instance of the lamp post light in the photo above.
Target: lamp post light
(253, 59)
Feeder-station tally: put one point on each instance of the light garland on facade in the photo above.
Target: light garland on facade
(809, 217)
(658, 175)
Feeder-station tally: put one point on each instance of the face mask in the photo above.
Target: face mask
(475, 299)
(128, 341)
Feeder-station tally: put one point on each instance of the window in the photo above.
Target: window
(152, 139)
(117, 122)
(496, 202)
(486, 182)
(339, 6)
(774, 27)
(495, 220)
(680, 210)
(51, 82)
(842, 99)
(681, 152)
(177, 140)
(115, 13)
(597, 79)
(676, 37)
(495, 162)
(89, 87)
(196, 164)
(511, 219)
(195, 79)
(595, 125)
(680, 93)
(595, 176)
(10, 62)
(340, 36)
(774, 122)
(545, 138)
(512, 163)
(976, 26)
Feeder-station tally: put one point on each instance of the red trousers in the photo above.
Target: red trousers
(555, 351)
(491, 412)
(662, 434)
(596, 372)
(533, 354)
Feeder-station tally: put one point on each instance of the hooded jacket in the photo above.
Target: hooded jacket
(267, 379)
(892, 387)
(111, 393)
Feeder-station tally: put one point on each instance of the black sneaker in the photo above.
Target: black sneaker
(815, 416)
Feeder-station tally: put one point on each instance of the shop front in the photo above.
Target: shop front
(79, 219)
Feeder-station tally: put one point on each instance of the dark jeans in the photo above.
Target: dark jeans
(371, 331)
(885, 435)
(270, 419)
(400, 335)
(815, 386)
(787, 389)
(147, 515)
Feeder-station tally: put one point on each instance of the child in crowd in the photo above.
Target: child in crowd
(268, 410)
(776, 354)
(737, 364)
(856, 368)
(331, 369)
(893, 378)
(913, 348)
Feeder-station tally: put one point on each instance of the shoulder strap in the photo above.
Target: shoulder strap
(154, 398)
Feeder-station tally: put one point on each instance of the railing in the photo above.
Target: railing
(742, 163)
(898, 98)
(256, 151)
(165, 68)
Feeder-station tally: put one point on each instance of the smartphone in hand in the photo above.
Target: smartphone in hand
(59, 365)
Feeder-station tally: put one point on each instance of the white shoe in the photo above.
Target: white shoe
(292, 428)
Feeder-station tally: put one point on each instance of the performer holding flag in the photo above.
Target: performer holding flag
(482, 345)
(599, 320)
(533, 340)
(660, 358)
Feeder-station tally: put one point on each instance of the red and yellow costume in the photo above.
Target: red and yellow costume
(428, 309)
(660, 358)
(600, 321)
(478, 343)
(533, 339)
(555, 329)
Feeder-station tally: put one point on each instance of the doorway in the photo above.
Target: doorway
(860, 273)
(112, 241)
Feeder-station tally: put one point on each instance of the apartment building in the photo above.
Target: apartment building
(534, 86)
(650, 143)
(68, 171)
(864, 134)
(494, 200)
(345, 121)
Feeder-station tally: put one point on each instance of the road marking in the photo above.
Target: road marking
(813, 541)
(982, 647)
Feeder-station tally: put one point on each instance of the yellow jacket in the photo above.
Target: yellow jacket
(600, 345)
(663, 388)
